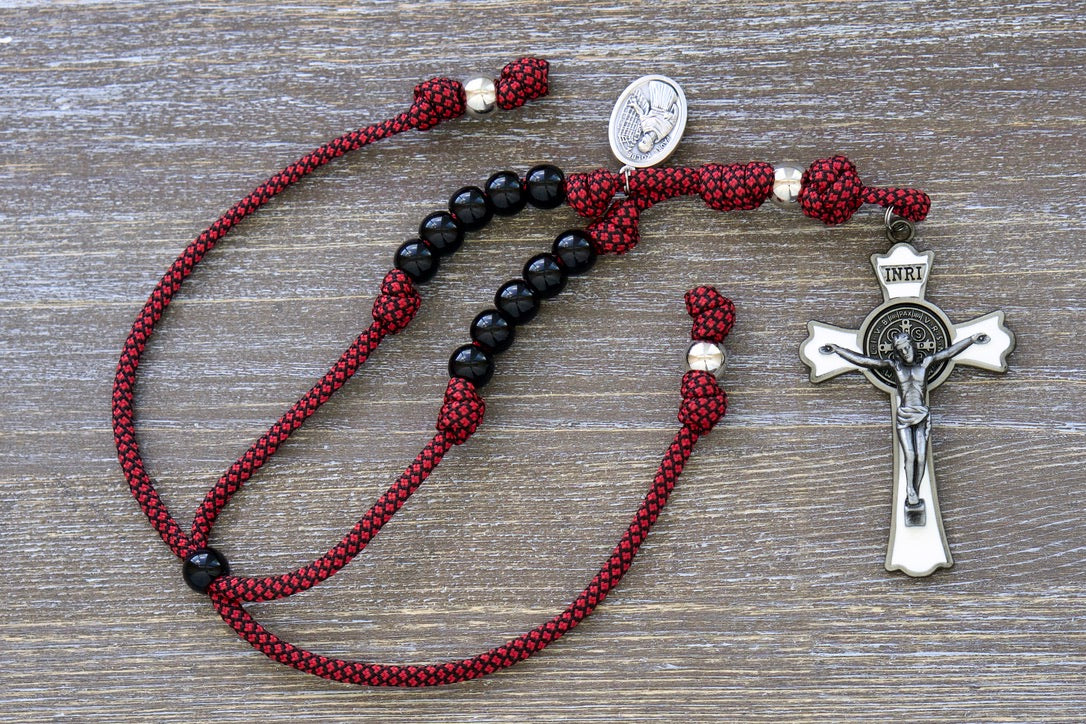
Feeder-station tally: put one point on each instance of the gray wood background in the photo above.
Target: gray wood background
(126, 128)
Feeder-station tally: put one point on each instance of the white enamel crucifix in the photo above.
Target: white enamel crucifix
(907, 347)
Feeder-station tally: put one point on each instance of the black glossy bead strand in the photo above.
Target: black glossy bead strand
(518, 300)
(471, 208)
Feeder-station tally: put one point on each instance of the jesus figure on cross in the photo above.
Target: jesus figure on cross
(913, 417)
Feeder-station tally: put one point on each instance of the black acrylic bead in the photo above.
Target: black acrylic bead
(471, 207)
(517, 301)
(202, 567)
(493, 331)
(545, 275)
(472, 363)
(416, 259)
(442, 232)
(506, 193)
(574, 249)
(546, 186)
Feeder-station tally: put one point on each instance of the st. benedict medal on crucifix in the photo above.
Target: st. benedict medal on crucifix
(907, 347)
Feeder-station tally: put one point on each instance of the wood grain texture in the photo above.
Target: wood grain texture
(127, 127)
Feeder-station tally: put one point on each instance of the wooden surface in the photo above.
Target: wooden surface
(761, 594)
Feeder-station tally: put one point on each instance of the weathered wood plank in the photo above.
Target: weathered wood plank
(128, 127)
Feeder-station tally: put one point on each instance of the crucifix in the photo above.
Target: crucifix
(907, 347)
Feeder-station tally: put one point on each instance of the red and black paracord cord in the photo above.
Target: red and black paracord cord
(831, 191)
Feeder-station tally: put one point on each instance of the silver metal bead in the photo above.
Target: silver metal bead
(787, 181)
(481, 96)
(706, 357)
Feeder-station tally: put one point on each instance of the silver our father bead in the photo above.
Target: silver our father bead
(707, 357)
(480, 96)
(787, 182)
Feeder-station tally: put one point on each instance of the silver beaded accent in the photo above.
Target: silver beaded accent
(706, 357)
(481, 96)
(787, 182)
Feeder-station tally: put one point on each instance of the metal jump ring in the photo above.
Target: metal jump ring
(625, 171)
(898, 230)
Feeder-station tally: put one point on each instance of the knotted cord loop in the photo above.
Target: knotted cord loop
(615, 231)
(831, 192)
(435, 100)
(910, 204)
(835, 193)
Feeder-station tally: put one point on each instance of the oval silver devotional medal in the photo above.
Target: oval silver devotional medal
(647, 122)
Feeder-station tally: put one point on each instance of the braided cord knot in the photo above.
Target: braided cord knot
(713, 313)
(589, 194)
(734, 186)
(704, 402)
(436, 100)
(523, 80)
(617, 232)
(832, 192)
(461, 412)
(397, 304)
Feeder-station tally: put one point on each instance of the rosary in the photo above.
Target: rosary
(905, 347)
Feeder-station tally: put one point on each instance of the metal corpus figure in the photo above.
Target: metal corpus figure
(913, 414)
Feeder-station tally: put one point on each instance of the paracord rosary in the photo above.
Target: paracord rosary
(906, 347)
